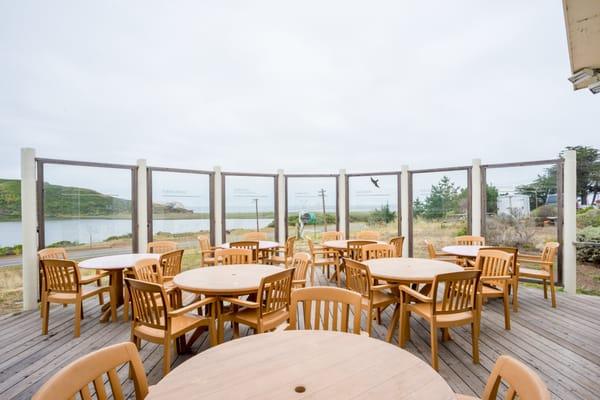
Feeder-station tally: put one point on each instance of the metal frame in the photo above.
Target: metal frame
(337, 194)
(211, 196)
(468, 169)
(398, 196)
(224, 175)
(559, 163)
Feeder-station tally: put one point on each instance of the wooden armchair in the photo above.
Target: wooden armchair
(323, 258)
(249, 245)
(367, 235)
(354, 248)
(521, 381)
(439, 255)
(161, 246)
(64, 285)
(513, 271)
(255, 236)
(154, 320)
(374, 297)
(495, 277)
(271, 308)
(545, 273)
(468, 240)
(170, 264)
(330, 304)
(457, 306)
(300, 263)
(207, 252)
(234, 256)
(377, 250)
(95, 368)
(398, 243)
(283, 254)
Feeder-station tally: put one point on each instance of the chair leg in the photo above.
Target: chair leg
(236, 330)
(545, 290)
(475, 340)
(553, 293)
(515, 299)
(506, 310)
(312, 275)
(379, 316)
(126, 305)
(446, 334)
(77, 318)
(166, 355)
(45, 317)
(434, 347)
(100, 295)
(369, 321)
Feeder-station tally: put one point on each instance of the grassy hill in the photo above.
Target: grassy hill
(73, 202)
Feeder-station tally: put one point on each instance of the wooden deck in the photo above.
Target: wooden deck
(562, 345)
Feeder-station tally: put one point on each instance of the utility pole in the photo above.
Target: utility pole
(322, 194)
(256, 208)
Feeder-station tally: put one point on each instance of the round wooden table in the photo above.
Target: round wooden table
(462, 250)
(115, 266)
(405, 270)
(298, 364)
(262, 244)
(224, 281)
(343, 244)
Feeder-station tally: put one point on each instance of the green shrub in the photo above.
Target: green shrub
(590, 254)
(588, 217)
(544, 213)
(381, 216)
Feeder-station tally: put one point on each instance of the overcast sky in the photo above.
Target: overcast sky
(307, 86)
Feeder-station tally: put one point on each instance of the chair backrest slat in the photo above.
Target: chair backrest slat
(256, 236)
(398, 243)
(358, 277)
(521, 381)
(204, 243)
(300, 263)
(252, 245)
(289, 246)
(368, 235)
(331, 235)
(170, 262)
(147, 270)
(150, 305)
(492, 262)
(549, 251)
(469, 240)
(354, 248)
(274, 292)
(459, 292)
(234, 256)
(377, 250)
(161, 246)
(61, 276)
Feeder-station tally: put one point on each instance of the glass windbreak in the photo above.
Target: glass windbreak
(311, 207)
(440, 203)
(87, 210)
(521, 207)
(181, 211)
(249, 206)
(11, 283)
(373, 204)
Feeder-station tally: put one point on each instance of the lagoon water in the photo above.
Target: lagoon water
(97, 230)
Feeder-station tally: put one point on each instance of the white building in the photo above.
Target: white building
(513, 204)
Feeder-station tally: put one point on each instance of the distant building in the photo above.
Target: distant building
(513, 204)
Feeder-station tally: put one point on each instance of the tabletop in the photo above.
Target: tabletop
(224, 279)
(343, 244)
(416, 270)
(119, 261)
(462, 250)
(302, 364)
(262, 245)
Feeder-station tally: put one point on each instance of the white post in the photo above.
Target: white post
(142, 212)
(476, 206)
(569, 253)
(281, 202)
(218, 207)
(29, 237)
(342, 202)
(404, 214)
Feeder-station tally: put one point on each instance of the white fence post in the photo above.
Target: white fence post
(142, 212)
(342, 202)
(218, 207)
(404, 209)
(29, 229)
(476, 206)
(569, 253)
(281, 203)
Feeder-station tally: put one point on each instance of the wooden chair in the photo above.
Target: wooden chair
(154, 320)
(255, 236)
(300, 263)
(329, 304)
(495, 277)
(435, 255)
(161, 246)
(234, 256)
(468, 240)
(545, 273)
(144, 270)
(521, 381)
(170, 263)
(323, 258)
(207, 252)
(513, 271)
(354, 248)
(271, 308)
(249, 245)
(63, 285)
(377, 250)
(95, 368)
(367, 235)
(457, 306)
(374, 297)
(283, 254)
(398, 243)
(332, 235)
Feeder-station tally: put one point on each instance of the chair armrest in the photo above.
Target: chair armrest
(383, 287)
(192, 306)
(470, 263)
(94, 278)
(484, 279)
(529, 257)
(417, 295)
(240, 302)
(298, 281)
(211, 251)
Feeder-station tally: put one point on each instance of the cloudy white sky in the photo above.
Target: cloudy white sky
(305, 86)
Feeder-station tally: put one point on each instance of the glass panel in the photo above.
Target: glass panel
(312, 207)
(11, 280)
(249, 206)
(373, 204)
(521, 207)
(440, 209)
(181, 211)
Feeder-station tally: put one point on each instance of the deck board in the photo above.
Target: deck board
(562, 345)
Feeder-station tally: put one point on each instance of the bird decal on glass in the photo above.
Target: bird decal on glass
(375, 182)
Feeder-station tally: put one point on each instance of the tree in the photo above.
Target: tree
(418, 208)
(491, 195)
(382, 215)
(540, 188)
(588, 171)
(442, 200)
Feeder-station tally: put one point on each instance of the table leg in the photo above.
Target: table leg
(393, 324)
(220, 322)
(116, 296)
